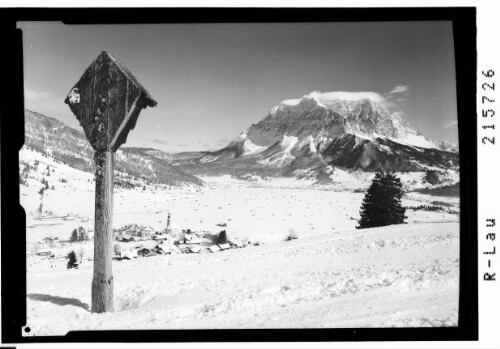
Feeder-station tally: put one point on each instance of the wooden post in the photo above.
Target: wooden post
(106, 101)
(102, 282)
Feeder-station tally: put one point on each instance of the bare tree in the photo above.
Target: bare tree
(117, 249)
(81, 253)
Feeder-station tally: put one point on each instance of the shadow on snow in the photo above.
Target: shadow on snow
(58, 300)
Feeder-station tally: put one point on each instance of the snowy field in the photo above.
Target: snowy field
(331, 276)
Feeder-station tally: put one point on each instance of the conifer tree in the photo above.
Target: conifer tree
(382, 203)
(74, 236)
(72, 260)
(222, 238)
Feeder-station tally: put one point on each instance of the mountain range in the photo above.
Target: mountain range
(322, 131)
(304, 137)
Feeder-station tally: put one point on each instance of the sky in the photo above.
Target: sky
(212, 81)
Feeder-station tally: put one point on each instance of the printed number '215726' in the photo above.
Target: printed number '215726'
(487, 101)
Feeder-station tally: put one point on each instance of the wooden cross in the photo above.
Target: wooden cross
(106, 101)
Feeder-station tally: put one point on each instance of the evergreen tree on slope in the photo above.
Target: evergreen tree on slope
(382, 203)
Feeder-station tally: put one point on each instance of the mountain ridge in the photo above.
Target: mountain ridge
(364, 117)
(317, 132)
(53, 138)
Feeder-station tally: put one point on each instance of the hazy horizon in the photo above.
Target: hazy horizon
(213, 81)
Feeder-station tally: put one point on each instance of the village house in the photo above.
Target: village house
(145, 232)
(214, 248)
(128, 254)
(194, 249)
(236, 243)
(163, 249)
(127, 238)
(143, 252)
(224, 246)
(44, 252)
(48, 239)
(134, 230)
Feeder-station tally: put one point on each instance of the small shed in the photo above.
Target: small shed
(224, 246)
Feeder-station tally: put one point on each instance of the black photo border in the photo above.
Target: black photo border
(13, 222)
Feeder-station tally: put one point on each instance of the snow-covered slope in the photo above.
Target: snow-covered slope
(54, 139)
(397, 276)
(408, 274)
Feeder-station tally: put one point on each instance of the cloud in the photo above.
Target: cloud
(345, 95)
(398, 94)
(399, 89)
(45, 102)
(159, 141)
(181, 145)
(352, 96)
(223, 141)
(38, 96)
(158, 126)
(451, 124)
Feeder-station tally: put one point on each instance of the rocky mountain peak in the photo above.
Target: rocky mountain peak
(364, 114)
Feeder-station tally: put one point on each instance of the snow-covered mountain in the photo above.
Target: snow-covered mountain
(52, 138)
(349, 130)
(332, 115)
